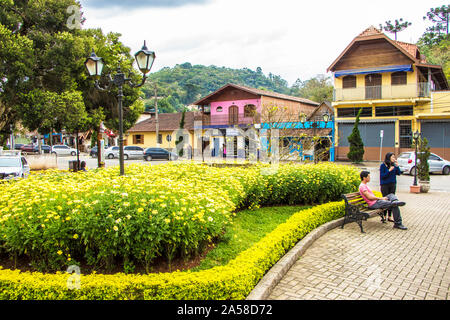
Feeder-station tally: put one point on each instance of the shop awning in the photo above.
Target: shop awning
(404, 67)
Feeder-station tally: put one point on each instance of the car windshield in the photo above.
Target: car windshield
(9, 162)
(404, 155)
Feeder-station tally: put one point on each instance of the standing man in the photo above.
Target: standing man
(388, 202)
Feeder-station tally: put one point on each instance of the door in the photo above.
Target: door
(233, 115)
(435, 163)
(62, 150)
(373, 86)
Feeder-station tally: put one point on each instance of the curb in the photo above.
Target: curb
(270, 280)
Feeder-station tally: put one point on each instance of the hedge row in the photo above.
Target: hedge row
(232, 281)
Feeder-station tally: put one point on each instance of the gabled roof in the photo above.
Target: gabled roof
(408, 49)
(257, 92)
(167, 122)
(325, 104)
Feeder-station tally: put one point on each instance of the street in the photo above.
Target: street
(63, 162)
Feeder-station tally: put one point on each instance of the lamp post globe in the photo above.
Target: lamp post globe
(94, 65)
(326, 117)
(302, 118)
(144, 59)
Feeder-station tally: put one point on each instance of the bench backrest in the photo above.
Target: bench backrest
(355, 199)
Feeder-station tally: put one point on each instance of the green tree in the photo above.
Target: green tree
(423, 168)
(57, 59)
(16, 61)
(317, 89)
(395, 27)
(356, 151)
(439, 30)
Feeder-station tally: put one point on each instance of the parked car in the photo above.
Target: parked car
(13, 165)
(112, 152)
(29, 148)
(45, 148)
(62, 150)
(133, 152)
(159, 153)
(18, 146)
(406, 161)
(94, 151)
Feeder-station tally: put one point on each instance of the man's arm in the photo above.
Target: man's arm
(370, 196)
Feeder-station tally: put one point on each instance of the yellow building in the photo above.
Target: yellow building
(398, 91)
(143, 134)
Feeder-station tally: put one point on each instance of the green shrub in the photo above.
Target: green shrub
(232, 281)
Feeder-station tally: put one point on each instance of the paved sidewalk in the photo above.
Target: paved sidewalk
(384, 263)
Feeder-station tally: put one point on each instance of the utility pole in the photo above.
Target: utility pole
(156, 116)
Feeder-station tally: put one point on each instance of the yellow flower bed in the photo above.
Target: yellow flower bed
(56, 218)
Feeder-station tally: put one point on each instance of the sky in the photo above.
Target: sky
(291, 38)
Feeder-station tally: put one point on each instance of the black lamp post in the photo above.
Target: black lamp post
(94, 65)
(416, 136)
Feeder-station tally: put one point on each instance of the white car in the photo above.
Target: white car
(112, 152)
(128, 152)
(406, 162)
(13, 166)
(63, 150)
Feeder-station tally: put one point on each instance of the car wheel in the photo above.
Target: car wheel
(446, 170)
(148, 158)
(125, 157)
(412, 172)
(110, 156)
(53, 152)
(73, 153)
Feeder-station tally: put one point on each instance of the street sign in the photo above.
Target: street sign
(381, 133)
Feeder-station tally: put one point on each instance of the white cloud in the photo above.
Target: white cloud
(294, 39)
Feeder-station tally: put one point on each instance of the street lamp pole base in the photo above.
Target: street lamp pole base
(414, 189)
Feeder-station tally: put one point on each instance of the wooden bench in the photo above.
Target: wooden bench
(356, 210)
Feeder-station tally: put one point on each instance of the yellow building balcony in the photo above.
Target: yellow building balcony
(420, 90)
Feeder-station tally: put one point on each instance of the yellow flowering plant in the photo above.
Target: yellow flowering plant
(166, 210)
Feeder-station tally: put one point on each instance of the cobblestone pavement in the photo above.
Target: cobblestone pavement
(384, 263)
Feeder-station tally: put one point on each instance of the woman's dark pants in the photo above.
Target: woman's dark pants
(388, 189)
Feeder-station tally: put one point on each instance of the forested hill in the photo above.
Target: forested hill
(185, 83)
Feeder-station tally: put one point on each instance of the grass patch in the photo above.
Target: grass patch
(249, 226)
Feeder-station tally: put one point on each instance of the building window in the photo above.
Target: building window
(219, 109)
(405, 133)
(138, 139)
(159, 138)
(389, 111)
(398, 78)
(353, 112)
(249, 110)
(349, 82)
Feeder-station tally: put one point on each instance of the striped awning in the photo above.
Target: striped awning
(404, 67)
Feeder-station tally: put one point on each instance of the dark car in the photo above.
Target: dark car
(45, 148)
(18, 146)
(29, 148)
(159, 154)
(94, 151)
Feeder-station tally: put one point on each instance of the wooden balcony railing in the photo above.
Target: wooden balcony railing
(227, 120)
(420, 90)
